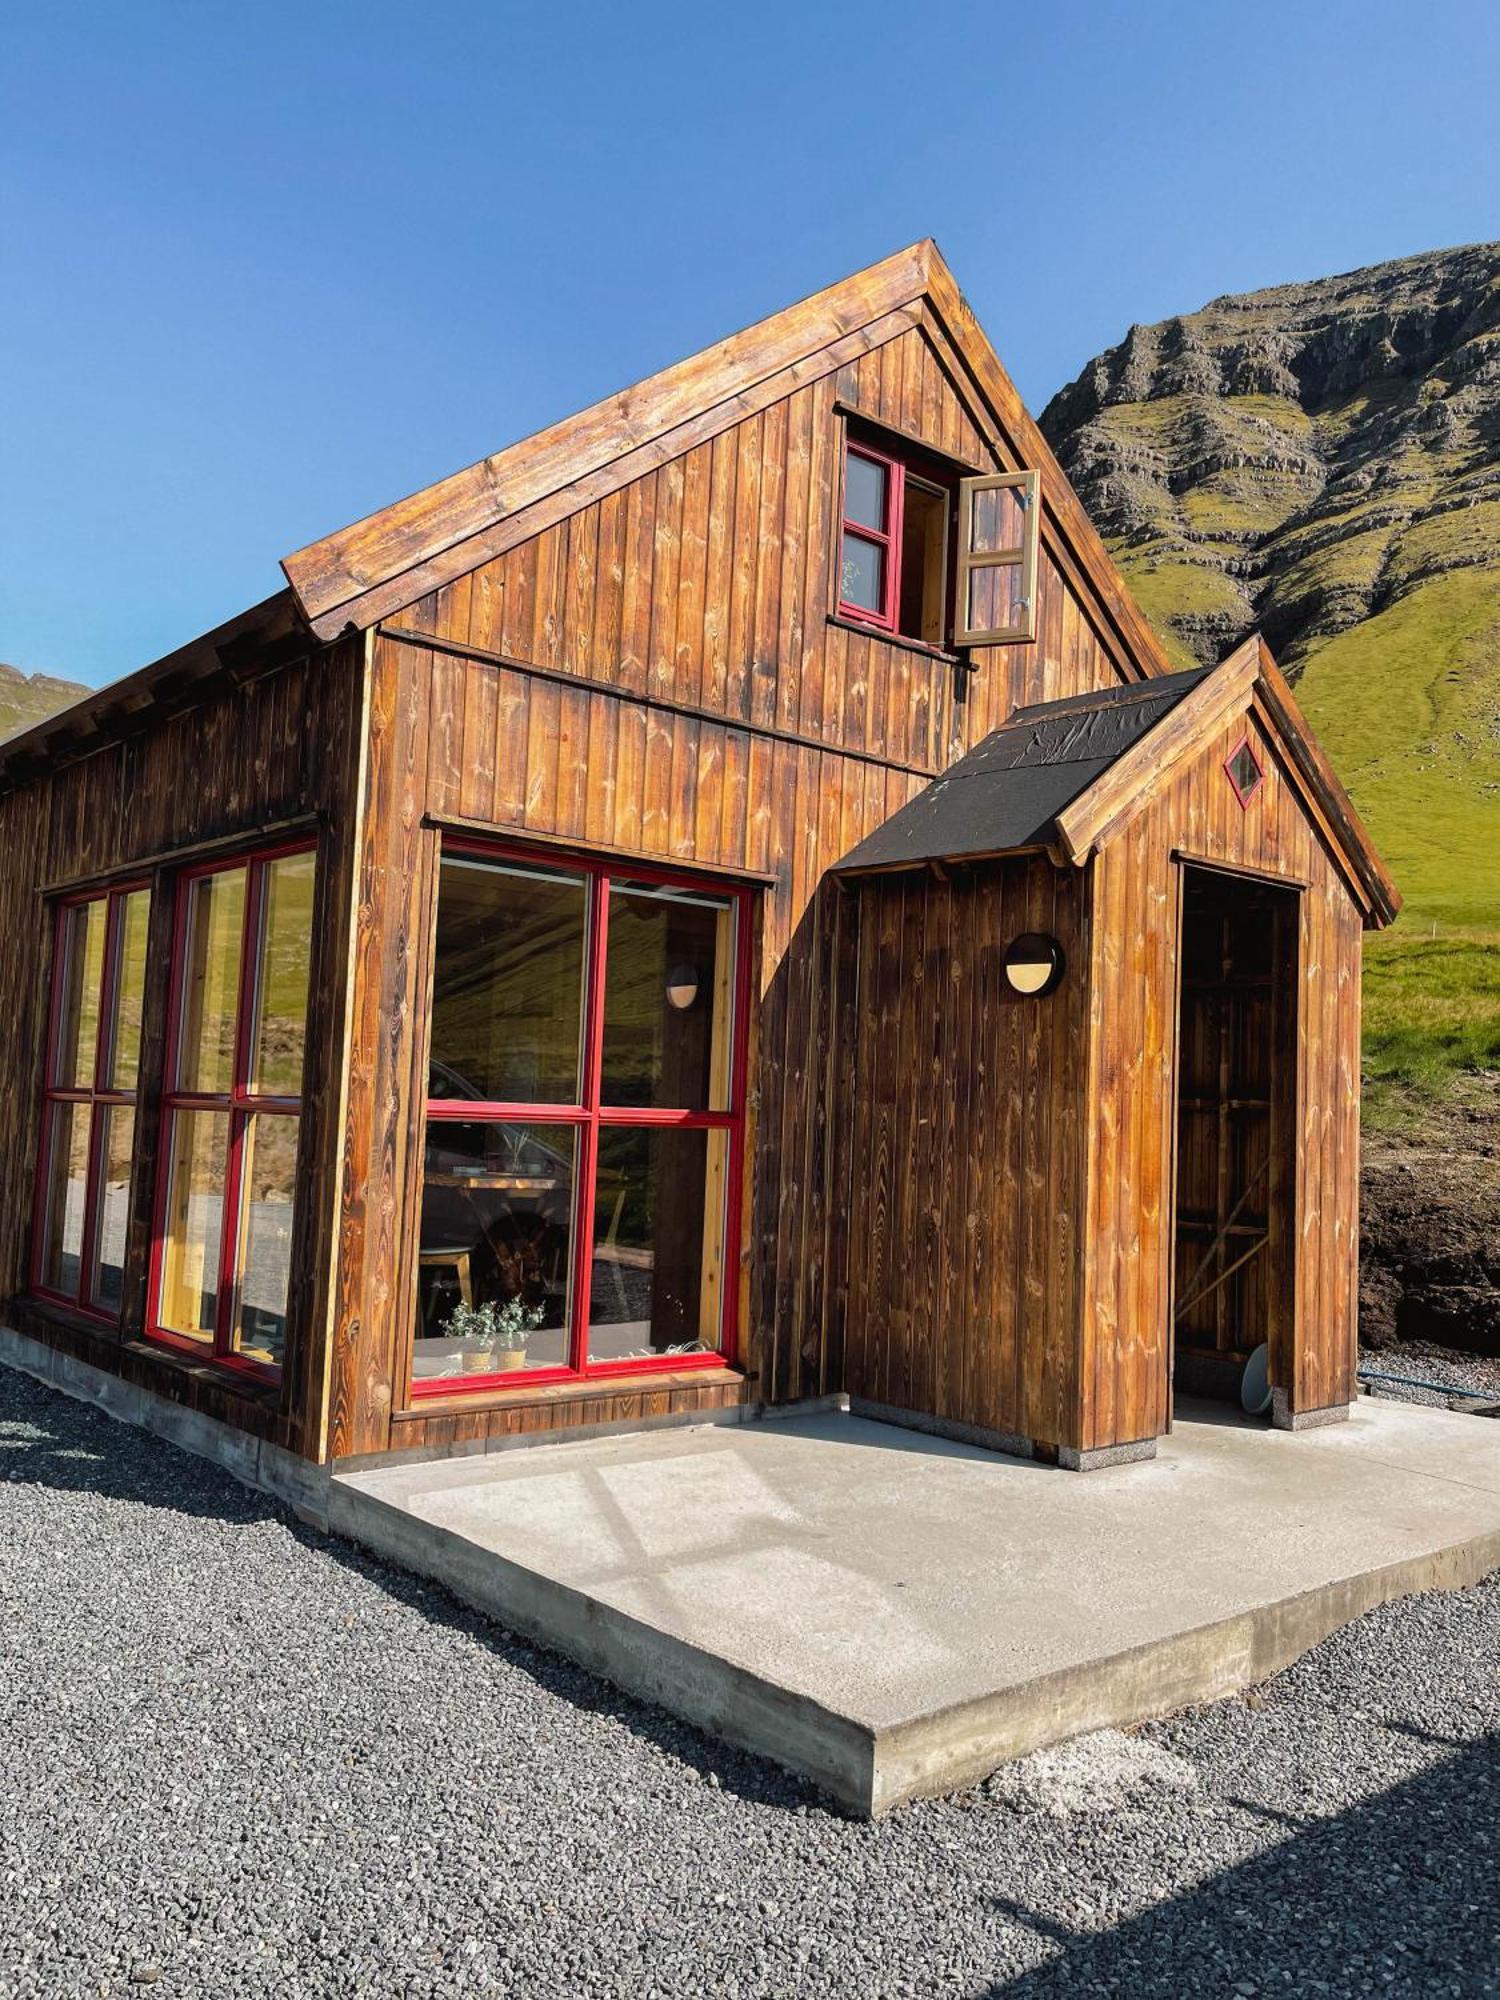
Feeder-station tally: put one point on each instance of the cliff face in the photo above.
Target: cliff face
(1323, 460)
(29, 698)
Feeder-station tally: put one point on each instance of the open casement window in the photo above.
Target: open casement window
(999, 517)
(585, 1122)
(89, 1098)
(226, 1199)
(893, 549)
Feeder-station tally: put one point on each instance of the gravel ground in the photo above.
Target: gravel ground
(1421, 1361)
(239, 1759)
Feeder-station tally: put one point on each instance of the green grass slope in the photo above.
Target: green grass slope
(29, 698)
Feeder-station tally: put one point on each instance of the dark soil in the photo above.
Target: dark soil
(1430, 1226)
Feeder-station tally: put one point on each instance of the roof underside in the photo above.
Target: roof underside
(1007, 793)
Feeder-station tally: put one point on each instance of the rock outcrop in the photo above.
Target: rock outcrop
(1299, 458)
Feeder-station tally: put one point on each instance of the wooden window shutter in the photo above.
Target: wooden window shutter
(999, 517)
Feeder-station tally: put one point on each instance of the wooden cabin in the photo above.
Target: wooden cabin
(721, 903)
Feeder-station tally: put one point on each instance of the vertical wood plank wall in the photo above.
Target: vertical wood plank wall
(658, 673)
(284, 746)
(965, 1174)
(1133, 997)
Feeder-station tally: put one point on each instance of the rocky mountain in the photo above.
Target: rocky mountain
(1323, 460)
(28, 698)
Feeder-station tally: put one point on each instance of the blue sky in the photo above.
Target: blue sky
(268, 268)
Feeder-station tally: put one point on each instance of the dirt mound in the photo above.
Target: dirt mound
(1430, 1226)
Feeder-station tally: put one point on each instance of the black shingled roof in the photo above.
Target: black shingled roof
(1008, 791)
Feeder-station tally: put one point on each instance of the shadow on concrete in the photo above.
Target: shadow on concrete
(1394, 1895)
(54, 1442)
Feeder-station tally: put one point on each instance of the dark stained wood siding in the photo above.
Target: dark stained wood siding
(965, 1158)
(283, 747)
(1133, 981)
(658, 673)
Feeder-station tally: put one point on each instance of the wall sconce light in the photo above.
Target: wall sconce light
(682, 987)
(1034, 964)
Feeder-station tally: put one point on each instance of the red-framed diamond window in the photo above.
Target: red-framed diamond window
(584, 1139)
(221, 1253)
(1244, 771)
(89, 1099)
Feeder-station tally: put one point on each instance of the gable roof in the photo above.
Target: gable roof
(1008, 792)
(395, 556)
(1065, 775)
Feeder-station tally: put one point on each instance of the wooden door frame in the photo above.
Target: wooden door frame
(1285, 1097)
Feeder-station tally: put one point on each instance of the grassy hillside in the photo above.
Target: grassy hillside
(1323, 461)
(25, 699)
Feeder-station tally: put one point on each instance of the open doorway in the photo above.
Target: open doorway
(1235, 1227)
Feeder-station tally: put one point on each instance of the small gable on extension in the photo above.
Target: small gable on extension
(1065, 776)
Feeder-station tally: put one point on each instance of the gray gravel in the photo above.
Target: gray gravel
(1418, 1361)
(238, 1759)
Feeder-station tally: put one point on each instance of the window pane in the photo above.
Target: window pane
(112, 1215)
(658, 1272)
(82, 980)
(497, 1229)
(995, 598)
(507, 997)
(999, 520)
(864, 492)
(924, 551)
(268, 1181)
(211, 982)
(862, 577)
(197, 1147)
(67, 1181)
(130, 989)
(669, 967)
(281, 976)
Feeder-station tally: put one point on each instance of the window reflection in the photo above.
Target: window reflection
(656, 1286)
(667, 999)
(493, 1264)
(508, 984)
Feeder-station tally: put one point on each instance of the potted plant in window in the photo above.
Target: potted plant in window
(492, 1337)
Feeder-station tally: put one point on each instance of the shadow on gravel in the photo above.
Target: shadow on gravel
(1395, 1895)
(50, 1441)
(720, 1765)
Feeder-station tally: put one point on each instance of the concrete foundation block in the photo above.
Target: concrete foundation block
(1073, 1460)
(1284, 1418)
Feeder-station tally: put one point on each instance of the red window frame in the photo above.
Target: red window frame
(589, 1116)
(239, 1101)
(886, 538)
(94, 1093)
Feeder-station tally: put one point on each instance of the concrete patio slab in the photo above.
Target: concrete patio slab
(892, 1614)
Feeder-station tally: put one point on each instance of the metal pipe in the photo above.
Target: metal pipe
(1434, 1388)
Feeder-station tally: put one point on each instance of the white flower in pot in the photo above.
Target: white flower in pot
(493, 1335)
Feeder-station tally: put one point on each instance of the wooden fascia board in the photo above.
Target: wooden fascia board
(337, 578)
(114, 710)
(507, 531)
(1321, 782)
(1097, 812)
(1076, 529)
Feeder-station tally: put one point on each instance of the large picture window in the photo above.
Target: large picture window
(88, 1119)
(232, 1108)
(584, 1122)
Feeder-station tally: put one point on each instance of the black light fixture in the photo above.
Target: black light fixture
(1034, 964)
(682, 987)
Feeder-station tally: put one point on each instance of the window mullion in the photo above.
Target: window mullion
(236, 1104)
(894, 511)
(593, 1056)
